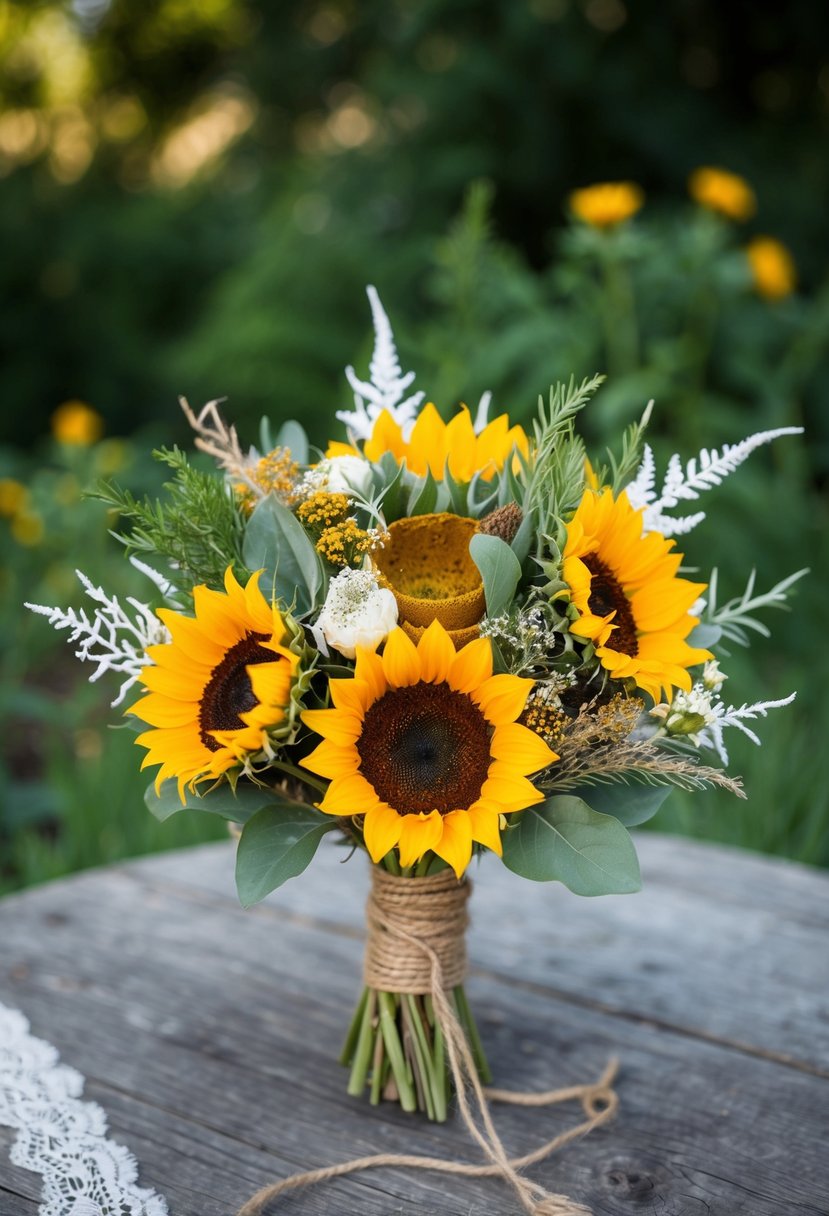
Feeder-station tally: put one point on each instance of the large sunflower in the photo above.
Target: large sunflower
(219, 687)
(434, 444)
(631, 604)
(424, 743)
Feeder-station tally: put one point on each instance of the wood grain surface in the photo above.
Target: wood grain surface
(210, 1034)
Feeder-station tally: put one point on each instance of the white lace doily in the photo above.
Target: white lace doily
(61, 1137)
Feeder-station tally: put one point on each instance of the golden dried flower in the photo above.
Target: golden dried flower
(607, 203)
(772, 268)
(345, 543)
(323, 509)
(724, 192)
(274, 473)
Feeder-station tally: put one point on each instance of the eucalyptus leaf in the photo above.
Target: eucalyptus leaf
(292, 436)
(563, 839)
(524, 538)
(276, 543)
(631, 803)
(500, 570)
(277, 844)
(237, 806)
(704, 635)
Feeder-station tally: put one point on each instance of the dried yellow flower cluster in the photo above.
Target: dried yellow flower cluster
(345, 543)
(323, 509)
(545, 717)
(274, 473)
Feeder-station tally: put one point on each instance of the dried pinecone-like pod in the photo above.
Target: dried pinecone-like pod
(503, 522)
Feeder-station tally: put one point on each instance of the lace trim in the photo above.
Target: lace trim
(61, 1137)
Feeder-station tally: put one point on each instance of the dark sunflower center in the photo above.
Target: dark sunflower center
(425, 747)
(228, 693)
(607, 595)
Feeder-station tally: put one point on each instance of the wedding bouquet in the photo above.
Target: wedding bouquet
(435, 640)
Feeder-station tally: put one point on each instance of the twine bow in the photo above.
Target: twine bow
(416, 944)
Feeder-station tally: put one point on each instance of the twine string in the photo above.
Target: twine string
(416, 944)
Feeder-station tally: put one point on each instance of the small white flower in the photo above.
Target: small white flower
(357, 612)
(347, 475)
(712, 677)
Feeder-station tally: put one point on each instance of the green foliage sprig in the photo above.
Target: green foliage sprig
(198, 529)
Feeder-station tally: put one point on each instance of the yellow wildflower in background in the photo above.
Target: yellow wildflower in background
(27, 529)
(607, 203)
(724, 192)
(13, 496)
(772, 267)
(77, 424)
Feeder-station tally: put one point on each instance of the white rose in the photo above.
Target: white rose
(348, 474)
(356, 612)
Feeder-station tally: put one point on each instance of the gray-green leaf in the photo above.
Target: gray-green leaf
(631, 803)
(276, 543)
(237, 806)
(275, 845)
(500, 570)
(564, 839)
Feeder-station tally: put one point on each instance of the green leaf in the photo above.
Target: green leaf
(276, 543)
(423, 497)
(525, 536)
(275, 845)
(500, 569)
(238, 805)
(292, 436)
(704, 635)
(631, 803)
(563, 839)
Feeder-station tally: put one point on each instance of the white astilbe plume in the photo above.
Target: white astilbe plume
(387, 387)
(686, 484)
(712, 732)
(112, 638)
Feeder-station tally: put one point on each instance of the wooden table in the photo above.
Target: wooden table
(209, 1034)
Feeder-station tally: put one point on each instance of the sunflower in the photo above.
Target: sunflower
(631, 604)
(218, 689)
(434, 444)
(424, 743)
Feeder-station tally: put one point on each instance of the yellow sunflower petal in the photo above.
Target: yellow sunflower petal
(436, 653)
(381, 831)
(347, 796)
(338, 725)
(418, 834)
(369, 668)
(486, 826)
(523, 748)
(455, 844)
(502, 697)
(332, 760)
(471, 666)
(427, 444)
(401, 665)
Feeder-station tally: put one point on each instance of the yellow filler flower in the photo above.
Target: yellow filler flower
(434, 444)
(772, 268)
(631, 604)
(607, 203)
(424, 743)
(721, 191)
(77, 424)
(218, 688)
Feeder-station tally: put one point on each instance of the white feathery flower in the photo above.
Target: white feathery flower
(712, 677)
(387, 386)
(112, 638)
(357, 612)
(686, 484)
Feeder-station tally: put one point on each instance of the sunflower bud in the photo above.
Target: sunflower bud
(503, 522)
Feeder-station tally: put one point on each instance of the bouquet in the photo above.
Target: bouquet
(435, 640)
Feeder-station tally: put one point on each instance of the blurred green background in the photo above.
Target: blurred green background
(193, 195)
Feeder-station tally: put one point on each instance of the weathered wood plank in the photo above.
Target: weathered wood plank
(721, 945)
(188, 1016)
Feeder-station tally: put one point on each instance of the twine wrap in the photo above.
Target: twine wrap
(426, 918)
(404, 915)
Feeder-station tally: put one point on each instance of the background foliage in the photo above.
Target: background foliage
(194, 194)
